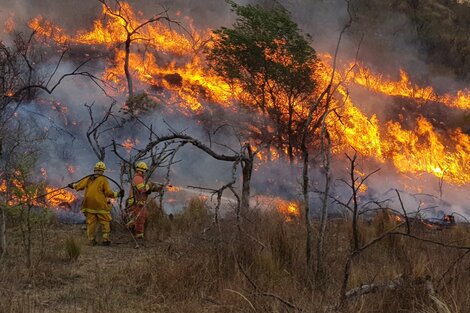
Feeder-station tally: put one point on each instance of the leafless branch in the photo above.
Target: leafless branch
(93, 134)
(408, 230)
(75, 72)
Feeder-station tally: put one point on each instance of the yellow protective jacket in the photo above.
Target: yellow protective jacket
(97, 191)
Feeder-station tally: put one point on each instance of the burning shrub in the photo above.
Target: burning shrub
(72, 248)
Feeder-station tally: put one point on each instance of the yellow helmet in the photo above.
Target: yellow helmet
(141, 166)
(100, 166)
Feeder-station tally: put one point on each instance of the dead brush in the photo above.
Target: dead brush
(73, 248)
(383, 222)
(260, 255)
(23, 304)
(439, 306)
(461, 231)
(188, 275)
(158, 226)
(364, 231)
(268, 246)
(279, 241)
(194, 215)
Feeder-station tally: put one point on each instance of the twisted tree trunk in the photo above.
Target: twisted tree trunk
(126, 66)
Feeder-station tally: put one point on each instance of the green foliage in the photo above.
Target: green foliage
(73, 248)
(263, 45)
(23, 206)
(266, 54)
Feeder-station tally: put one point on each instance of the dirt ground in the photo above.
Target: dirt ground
(103, 278)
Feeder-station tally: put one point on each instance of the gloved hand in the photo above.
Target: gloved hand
(121, 193)
(70, 186)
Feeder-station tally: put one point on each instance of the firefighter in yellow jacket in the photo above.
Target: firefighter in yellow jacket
(95, 204)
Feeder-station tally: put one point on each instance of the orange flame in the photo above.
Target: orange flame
(404, 88)
(9, 25)
(189, 80)
(46, 29)
(290, 210)
(129, 144)
(3, 186)
(173, 188)
(421, 150)
(397, 218)
(57, 198)
(17, 193)
(169, 60)
(54, 199)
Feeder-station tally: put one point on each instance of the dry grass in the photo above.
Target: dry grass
(72, 248)
(189, 264)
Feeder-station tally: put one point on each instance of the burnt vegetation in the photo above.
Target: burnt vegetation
(337, 247)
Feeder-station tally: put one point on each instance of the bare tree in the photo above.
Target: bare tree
(100, 127)
(318, 112)
(133, 32)
(306, 135)
(20, 80)
(320, 272)
(355, 184)
(26, 192)
(160, 152)
(244, 157)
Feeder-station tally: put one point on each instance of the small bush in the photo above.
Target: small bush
(72, 248)
(139, 104)
(158, 226)
(194, 215)
(196, 209)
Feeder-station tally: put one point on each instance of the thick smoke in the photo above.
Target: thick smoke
(388, 46)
